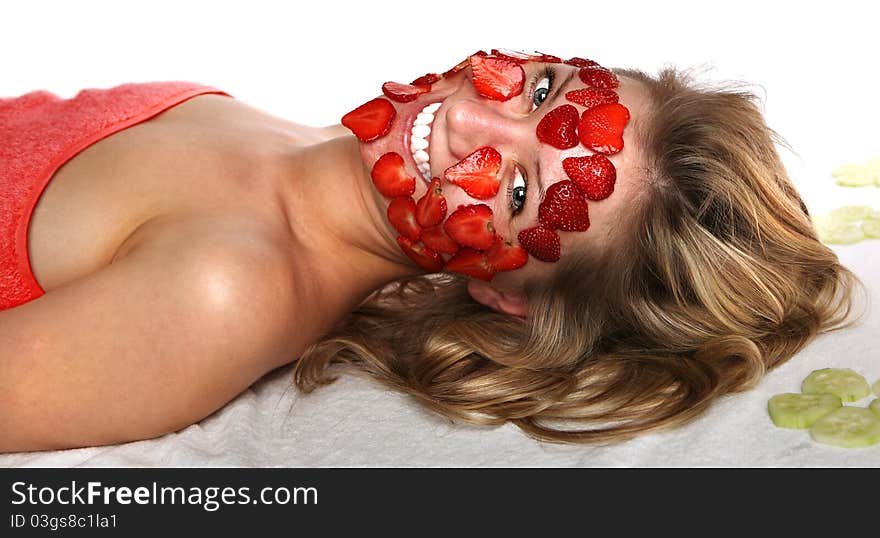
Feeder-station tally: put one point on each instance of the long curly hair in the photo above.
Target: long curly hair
(717, 276)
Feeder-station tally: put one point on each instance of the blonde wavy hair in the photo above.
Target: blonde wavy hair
(718, 277)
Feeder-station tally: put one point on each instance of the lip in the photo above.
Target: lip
(417, 107)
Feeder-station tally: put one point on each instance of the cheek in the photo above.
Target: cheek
(565, 207)
(438, 237)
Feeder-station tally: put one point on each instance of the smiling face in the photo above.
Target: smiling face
(534, 147)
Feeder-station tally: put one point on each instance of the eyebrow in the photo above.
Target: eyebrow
(557, 91)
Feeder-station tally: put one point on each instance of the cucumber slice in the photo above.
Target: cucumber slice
(876, 387)
(853, 175)
(840, 233)
(800, 411)
(852, 213)
(871, 228)
(873, 167)
(847, 427)
(844, 383)
(875, 407)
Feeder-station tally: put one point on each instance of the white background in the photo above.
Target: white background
(815, 64)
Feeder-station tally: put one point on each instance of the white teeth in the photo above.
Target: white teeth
(421, 131)
(418, 143)
(424, 119)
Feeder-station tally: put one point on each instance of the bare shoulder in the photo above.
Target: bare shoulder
(192, 312)
(236, 271)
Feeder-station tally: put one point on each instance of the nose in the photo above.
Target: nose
(472, 124)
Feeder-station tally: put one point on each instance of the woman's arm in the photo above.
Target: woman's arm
(154, 342)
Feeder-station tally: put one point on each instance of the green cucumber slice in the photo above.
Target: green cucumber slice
(852, 213)
(871, 228)
(842, 382)
(875, 407)
(840, 233)
(800, 411)
(847, 427)
(854, 175)
(873, 168)
(876, 387)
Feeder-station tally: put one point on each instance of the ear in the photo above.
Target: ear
(510, 303)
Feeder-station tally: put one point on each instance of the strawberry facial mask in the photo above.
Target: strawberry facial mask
(600, 129)
(463, 239)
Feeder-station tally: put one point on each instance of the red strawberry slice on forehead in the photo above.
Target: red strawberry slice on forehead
(390, 177)
(371, 120)
(601, 127)
(472, 263)
(505, 256)
(404, 93)
(477, 173)
(402, 215)
(564, 208)
(512, 55)
(431, 208)
(559, 127)
(598, 77)
(458, 67)
(547, 58)
(581, 62)
(540, 242)
(594, 174)
(590, 97)
(471, 226)
(426, 80)
(497, 78)
(423, 256)
(437, 239)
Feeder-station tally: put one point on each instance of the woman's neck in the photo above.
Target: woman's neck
(342, 241)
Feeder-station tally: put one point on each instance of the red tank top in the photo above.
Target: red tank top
(39, 132)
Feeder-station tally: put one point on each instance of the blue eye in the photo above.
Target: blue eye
(542, 89)
(517, 192)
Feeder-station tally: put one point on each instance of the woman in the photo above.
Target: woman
(608, 251)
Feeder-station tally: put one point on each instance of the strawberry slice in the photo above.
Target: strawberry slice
(402, 215)
(426, 80)
(540, 242)
(425, 258)
(594, 174)
(497, 78)
(472, 263)
(564, 208)
(559, 127)
(458, 67)
(598, 77)
(590, 97)
(477, 173)
(601, 127)
(431, 208)
(390, 177)
(404, 93)
(371, 120)
(471, 226)
(512, 55)
(548, 58)
(505, 256)
(580, 62)
(437, 239)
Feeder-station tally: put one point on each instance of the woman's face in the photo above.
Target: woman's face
(520, 158)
